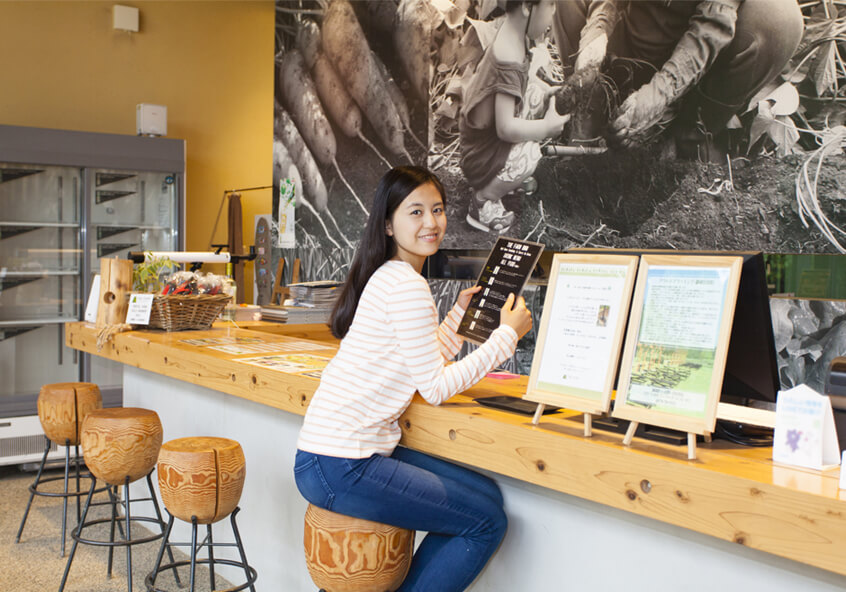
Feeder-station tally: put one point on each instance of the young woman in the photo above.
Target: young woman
(391, 346)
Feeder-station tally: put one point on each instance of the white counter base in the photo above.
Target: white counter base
(555, 542)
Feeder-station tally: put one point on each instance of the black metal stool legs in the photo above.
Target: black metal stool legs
(251, 577)
(211, 556)
(193, 552)
(151, 577)
(124, 526)
(64, 494)
(65, 490)
(193, 561)
(128, 536)
(75, 535)
(113, 492)
(32, 490)
(78, 501)
(161, 521)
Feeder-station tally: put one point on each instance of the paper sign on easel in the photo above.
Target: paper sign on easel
(805, 435)
(140, 307)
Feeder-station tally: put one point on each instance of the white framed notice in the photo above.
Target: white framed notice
(581, 331)
(672, 370)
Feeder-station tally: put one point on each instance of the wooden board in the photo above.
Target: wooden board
(115, 286)
(733, 493)
(161, 352)
(581, 331)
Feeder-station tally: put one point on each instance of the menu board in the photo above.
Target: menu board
(674, 359)
(581, 331)
(509, 265)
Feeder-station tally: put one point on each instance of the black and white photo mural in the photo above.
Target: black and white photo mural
(668, 124)
(681, 124)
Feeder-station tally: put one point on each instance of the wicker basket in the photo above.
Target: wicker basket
(176, 313)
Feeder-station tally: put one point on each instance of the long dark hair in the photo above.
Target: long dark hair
(376, 246)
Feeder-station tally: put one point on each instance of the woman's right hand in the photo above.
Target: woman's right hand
(516, 315)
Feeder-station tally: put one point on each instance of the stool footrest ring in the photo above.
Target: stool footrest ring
(82, 492)
(118, 543)
(187, 562)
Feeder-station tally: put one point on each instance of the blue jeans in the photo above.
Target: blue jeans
(461, 510)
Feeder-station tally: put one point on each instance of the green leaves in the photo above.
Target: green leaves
(147, 276)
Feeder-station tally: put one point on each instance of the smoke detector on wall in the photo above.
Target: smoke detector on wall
(125, 18)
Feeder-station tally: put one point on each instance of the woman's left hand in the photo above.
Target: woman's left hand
(465, 295)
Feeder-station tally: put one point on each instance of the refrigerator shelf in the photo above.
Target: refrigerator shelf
(106, 249)
(7, 223)
(106, 178)
(40, 273)
(38, 322)
(10, 174)
(101, 195)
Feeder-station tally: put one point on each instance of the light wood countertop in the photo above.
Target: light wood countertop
(730, 492)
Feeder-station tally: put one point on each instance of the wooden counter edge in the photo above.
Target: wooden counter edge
(758, 513)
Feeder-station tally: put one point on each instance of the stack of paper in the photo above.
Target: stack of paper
(306, 314)
(321, 294)
(272, 312)
(295, 314)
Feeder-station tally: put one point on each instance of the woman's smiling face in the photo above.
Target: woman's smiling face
(418, 225)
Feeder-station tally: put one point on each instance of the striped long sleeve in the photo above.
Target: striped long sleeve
(394, 347)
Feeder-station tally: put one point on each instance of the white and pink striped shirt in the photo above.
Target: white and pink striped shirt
(393, 348)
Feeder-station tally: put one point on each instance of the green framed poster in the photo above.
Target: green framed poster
(679, 327)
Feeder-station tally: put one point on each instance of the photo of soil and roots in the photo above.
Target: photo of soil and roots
(362, 86)
(775, 180)
(350, 103)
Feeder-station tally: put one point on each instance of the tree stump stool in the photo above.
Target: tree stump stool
(121, 443)
(120, 446)
(201, 480)
(346, 554)
(61, 409)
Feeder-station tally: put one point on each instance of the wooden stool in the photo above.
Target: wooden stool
(346, 554)
(201, 480)
(61, 409)
(120, 446)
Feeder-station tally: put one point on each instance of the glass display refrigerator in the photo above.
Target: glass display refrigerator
(68, 199)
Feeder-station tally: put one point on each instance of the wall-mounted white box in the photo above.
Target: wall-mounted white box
(125, 18)
(151, 120)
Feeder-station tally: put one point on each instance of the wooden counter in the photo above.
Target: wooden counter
(732, 493)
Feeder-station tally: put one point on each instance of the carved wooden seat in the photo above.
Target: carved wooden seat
(63, 406)
(201, 480)
(121, 443)
(201, 477)
(61, 409)
(346, 554)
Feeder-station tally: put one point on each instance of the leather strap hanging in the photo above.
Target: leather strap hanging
(236, 243)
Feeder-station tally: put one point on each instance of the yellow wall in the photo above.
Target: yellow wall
(210, 63)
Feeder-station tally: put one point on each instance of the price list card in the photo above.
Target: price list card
(509, 265)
